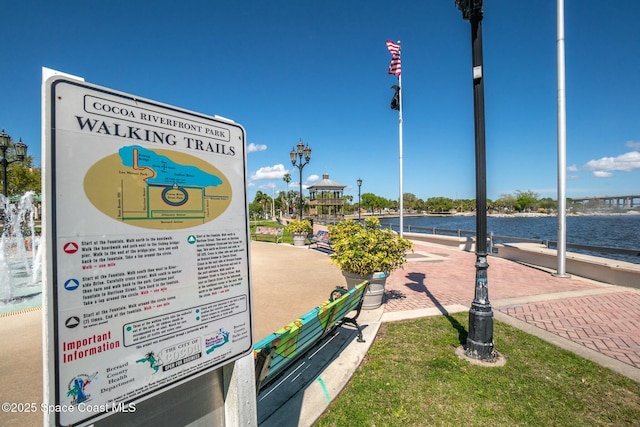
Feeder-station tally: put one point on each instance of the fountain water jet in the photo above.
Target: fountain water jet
(20, 255)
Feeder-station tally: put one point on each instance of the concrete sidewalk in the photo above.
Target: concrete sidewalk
(598, 321)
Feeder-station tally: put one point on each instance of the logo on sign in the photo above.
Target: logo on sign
(217, 340)
(70, 248)
(72, 322)
(71, 284)
(77, 388)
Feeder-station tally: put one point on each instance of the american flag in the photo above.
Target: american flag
(394, 68)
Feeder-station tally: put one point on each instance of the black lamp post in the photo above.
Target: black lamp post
(359, 185)
(19, 151)
(296, 155)
(480, 337)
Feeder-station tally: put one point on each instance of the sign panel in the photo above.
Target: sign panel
(147, 234)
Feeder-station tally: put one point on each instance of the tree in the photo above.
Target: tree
(505, 202)
(464, 205)
(23, 177)
(288, 198)
(409, 201)
(348, 206)
(384, 203)
(548, 203)
(264, 201)
(287, 178)
(439, 204)
(369, 201)
(526, 200)
(378, 203)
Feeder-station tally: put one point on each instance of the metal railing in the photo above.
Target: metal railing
(327, 202)
(493, 239)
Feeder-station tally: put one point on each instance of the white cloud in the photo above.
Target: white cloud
(572, 168)
(602, 167)
(296, 186)
(268, 186)
(252, 148)
(633, 144)
(313, 178)
(269, 172)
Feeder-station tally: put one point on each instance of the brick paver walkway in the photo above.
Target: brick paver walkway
(598, 316)
(608, 323)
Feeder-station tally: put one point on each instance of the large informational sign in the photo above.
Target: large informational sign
(147, 248)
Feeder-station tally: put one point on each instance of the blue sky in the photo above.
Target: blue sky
(317, 71)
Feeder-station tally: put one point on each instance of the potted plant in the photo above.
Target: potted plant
(367, 252)
(300, 229)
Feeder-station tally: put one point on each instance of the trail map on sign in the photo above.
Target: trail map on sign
(158, 189)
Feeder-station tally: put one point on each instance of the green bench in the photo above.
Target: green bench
(281, 349)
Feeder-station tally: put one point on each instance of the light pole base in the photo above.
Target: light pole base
(480, 351)
(480, 338)
(497, 361)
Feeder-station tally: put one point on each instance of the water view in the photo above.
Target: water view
(615, 231)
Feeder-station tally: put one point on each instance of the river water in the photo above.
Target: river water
(616, 231)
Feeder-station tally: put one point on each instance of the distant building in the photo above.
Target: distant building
(326, 200)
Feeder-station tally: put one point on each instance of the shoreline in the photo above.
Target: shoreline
(505, 215)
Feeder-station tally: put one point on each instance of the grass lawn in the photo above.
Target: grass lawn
(412, 377)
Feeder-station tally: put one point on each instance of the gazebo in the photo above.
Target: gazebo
(326, 200)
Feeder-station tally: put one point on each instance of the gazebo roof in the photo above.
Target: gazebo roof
(326, 184)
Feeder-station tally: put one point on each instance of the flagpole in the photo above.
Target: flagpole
(395, 68)
(400, 150)
(562, 143)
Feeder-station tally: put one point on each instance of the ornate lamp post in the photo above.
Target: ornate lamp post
(19, 152)
(480, 337)
(359, 185)
(296, 155)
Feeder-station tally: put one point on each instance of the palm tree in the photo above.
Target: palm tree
(287, 178)
(263, 199)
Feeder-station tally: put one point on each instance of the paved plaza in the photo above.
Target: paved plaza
(599, 317)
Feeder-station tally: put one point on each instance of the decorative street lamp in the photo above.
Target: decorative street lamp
(359, 185)
(480, 337)
(296, 155)
(19, 150)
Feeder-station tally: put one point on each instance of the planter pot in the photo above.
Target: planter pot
(375, 292)
(299, 239)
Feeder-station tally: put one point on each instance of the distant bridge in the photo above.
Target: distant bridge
(624, 202)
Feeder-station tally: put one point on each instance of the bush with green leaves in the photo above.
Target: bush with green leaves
(367, 248)
(297, 226)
